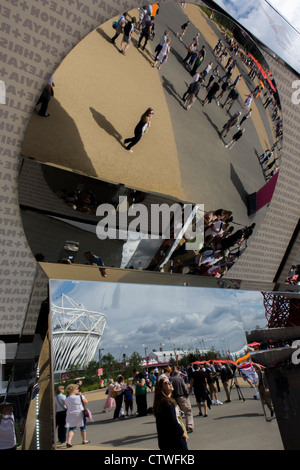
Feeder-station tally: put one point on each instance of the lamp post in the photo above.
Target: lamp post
(102, 349)
(146, 348)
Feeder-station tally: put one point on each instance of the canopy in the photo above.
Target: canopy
(263, 72)
(254, 345)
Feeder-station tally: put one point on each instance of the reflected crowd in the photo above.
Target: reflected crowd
(224, 239)
(201, 384)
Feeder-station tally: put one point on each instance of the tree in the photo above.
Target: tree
(134, 362)
(91, 373)
(110, 366)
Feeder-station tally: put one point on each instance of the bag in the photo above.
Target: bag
(86, 412)
(115, 24)
(113, 394)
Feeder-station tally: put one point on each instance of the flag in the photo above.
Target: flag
(248, 372)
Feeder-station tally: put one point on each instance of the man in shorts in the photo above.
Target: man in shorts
(128, 30)
(198, 381)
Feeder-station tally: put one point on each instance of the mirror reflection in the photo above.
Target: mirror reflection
(195, 120)
(151, 329)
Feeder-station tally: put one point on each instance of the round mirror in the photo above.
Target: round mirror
(171, 106)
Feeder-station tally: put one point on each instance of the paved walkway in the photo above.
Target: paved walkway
(239, 425)
(99, 97)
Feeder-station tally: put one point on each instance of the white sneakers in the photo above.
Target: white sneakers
(217, 402)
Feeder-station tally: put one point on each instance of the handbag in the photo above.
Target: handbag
(113, 394)
(86, 412)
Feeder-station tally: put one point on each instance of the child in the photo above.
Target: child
(128, 398)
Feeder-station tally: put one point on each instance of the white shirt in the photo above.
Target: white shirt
(60, 399)
(7, 432)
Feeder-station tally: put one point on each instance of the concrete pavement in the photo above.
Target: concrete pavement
(239, 425)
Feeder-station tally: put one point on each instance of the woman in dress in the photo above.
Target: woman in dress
(140, 129)
(110, 402)
(75, 416)
(172, 435)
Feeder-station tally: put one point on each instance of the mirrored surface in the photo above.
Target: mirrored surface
(277, 349)
(158, 326)
(196, 151)
(27, 384)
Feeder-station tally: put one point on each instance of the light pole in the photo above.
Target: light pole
(146, 348)
(102, 349)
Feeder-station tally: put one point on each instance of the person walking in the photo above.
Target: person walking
(161, 43)
(214, 75)
(184, 28)
(171, 432)
(234, 121)
(110, 401)
(45, 97)
(198, 61)
(181, 396)
(263, 388)
(197, 77)
(212, 92)
(235, 138)
(192, 95)
(128, 30)
(118, 26)
(232, 96)
(146, 32)
(75, 402)
(246, 116)
(198, 382)
(248, 101)
(140, 129)
(225, 377)
(162, 56)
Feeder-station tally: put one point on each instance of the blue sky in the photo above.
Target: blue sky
(151, 316)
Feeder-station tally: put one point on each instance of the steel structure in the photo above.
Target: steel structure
(281, 311)
(76, 334)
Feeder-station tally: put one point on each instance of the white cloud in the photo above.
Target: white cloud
(289, 9)
(265, 24)
(180, 316)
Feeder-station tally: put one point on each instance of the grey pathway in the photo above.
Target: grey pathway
(213, 175)
(239, 425)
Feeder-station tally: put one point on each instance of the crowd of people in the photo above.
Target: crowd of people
(222, 245)
(80, 199)
(175, 391)
(294, 275)
(215, 79)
